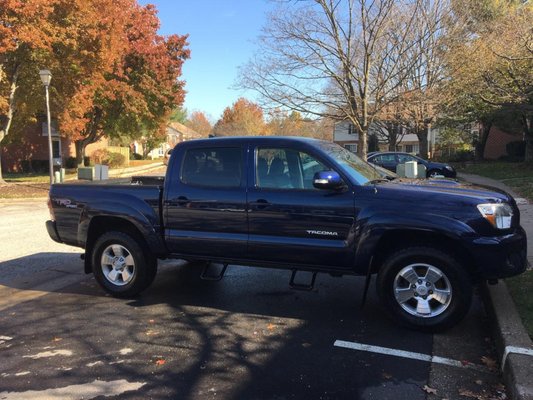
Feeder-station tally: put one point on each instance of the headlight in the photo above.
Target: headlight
(449, 168)
(499, 215)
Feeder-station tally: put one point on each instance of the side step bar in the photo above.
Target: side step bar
(300, 286)
(208, 277)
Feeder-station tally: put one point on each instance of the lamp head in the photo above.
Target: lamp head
(46, 76)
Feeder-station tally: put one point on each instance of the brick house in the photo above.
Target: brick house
(29, 151)
(497, 142)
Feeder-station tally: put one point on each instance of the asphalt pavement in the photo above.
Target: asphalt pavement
(246, 337)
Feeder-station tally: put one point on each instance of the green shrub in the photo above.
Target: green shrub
(136, 156)
(105, 157)
(116, 160)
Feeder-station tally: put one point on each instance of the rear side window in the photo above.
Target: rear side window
(384, 158)
(215, 167)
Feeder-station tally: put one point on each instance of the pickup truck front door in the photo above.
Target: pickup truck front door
(290, 221)
(205, 202)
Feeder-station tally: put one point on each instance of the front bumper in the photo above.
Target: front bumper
(52, 231)
(499, 256)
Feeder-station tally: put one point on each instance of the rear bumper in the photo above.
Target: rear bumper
(52, 231)
(500, 256)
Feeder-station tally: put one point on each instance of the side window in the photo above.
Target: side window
(285, 169)
(215, 167)
(402, 158)
(384, 158)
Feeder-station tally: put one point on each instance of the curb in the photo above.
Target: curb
(513, 345)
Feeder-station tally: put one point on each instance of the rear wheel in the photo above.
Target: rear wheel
(424, 288)
(121, 266)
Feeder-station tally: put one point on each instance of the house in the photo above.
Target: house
(497, 141)
(28, 152)
(345, 134)
(176, 133)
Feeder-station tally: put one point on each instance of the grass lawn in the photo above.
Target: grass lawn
(521, 288)
(518, 176)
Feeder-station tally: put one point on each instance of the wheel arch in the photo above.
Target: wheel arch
(99, 225)
(394, 240)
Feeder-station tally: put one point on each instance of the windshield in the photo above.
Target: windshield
(359, 170)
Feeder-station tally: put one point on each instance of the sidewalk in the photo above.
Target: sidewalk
(512, 341)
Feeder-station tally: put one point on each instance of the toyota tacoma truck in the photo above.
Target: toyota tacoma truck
(302, 205)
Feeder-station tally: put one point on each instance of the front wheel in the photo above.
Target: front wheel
(121, 266)
(424, 288)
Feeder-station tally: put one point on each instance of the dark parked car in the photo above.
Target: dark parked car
(390, 160)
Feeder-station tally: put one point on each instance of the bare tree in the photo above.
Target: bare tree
(421, 88)
(338, 59)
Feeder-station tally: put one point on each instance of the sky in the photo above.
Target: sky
(222, 36)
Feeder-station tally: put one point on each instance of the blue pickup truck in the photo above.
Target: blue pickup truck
(302, 205)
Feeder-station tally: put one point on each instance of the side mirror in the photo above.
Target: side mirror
(328, 180)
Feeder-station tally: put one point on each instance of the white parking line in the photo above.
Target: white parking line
(408, 354)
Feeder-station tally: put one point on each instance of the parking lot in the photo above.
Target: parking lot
(246, 337)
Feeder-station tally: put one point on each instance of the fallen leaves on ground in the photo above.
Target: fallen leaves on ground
(429, 390)
(490, 363)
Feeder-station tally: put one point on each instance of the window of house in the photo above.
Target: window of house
(411, 148)
(53, 129)
(286, 169)
(351, 129)
(216, 167)
(56, 149)
(351, 147)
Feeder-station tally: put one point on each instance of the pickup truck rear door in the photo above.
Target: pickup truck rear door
(290, 221)
(205, 201)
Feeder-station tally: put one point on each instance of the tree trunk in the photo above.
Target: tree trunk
(80, 152)
(363, 144)
(482, 143)
(1, 176)
(393, 137)
(423, 141)
(528, 136)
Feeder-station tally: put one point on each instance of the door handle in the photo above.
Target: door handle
(260, 204)
(182, 201)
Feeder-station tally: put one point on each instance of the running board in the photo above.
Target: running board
(300, 286)
(207, 277)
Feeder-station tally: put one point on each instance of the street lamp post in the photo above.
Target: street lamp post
(46, 77)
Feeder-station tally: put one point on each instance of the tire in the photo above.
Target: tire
(121, 265)
(432, 173)
(424, 288)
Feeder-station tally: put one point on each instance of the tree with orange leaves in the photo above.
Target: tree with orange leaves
(124, 76)
(244, 117)
(25, 37)
(198, 122)
(113, 74)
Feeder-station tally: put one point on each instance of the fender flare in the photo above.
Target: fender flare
(375, 227)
